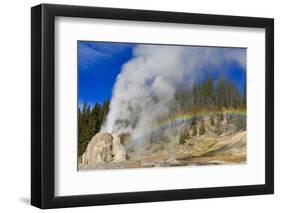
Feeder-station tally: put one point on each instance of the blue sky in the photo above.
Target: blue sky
(99, 63)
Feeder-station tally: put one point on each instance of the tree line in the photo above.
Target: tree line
(208, 95)
(90, 120)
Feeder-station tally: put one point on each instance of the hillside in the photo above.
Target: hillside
(223, 141)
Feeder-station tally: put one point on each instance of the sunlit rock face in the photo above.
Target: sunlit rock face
(103, 148)
(118, 151)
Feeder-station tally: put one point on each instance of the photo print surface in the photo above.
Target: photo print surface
(155, 105)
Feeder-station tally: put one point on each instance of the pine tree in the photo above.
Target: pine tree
(89, 122)
(195, 91)
(194, 130)
(104, 109)
(84, 129)
(221, 93)
(208, 93)
(233, 96)
(96, 119)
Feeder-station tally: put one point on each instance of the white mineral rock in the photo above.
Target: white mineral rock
(102, 148)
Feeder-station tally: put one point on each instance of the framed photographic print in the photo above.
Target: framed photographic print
(139, 106)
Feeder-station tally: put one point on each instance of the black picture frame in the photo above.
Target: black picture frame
(43, 102)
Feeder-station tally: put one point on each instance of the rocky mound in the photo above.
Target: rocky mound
(102, 148)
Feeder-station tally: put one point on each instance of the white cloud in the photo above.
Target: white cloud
(91, 53)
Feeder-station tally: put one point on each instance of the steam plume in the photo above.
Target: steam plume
(145, 88)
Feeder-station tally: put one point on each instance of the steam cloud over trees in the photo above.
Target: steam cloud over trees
(146, 88)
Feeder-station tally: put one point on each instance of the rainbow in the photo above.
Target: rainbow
(178, 119)
(188, 116)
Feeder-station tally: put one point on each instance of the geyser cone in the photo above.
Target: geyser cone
(103, 148)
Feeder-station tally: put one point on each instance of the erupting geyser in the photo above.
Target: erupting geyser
(144, 90)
